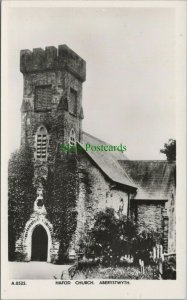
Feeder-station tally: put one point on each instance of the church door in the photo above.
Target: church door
(39, 244)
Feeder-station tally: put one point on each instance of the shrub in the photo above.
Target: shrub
(143, 244)
(111, 238)
(99, 272)
(169, 268)
(88, 264)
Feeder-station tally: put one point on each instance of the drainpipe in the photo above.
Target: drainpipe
(128, 208)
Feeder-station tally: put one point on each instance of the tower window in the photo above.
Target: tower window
(43, 98)
(72, 139)
(41, 143)
(73, 102)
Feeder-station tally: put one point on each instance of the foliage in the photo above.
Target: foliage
(98, 272)
(109, 237)
(143, 245)
(112, 238)
(170, 150)
(170, 268)
(61, 192)
(60, 196)
(20, 194)
(88, 264)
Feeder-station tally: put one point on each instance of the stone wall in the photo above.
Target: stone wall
(95, 194)
(149, 215)
(61, 71)
(171, 212)
(50, 59)
(152, 216)
(50, 77)
(58, 121)
(118, 200)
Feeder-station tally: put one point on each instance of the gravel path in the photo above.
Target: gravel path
(36, 270)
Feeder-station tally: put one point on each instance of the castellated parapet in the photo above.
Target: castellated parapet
(64, 58)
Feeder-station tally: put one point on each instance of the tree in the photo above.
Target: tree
(170, 150)
(110, 238)
(143, 244)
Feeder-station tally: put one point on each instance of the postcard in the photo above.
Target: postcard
(93, 150)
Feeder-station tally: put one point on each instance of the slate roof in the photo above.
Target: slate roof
(154, 178)
(108, 161)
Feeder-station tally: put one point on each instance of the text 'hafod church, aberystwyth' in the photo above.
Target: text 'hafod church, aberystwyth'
(54, 196)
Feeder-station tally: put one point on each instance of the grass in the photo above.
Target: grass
(129, 272)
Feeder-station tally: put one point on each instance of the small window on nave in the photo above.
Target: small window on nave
(72, 139)
(41, 143)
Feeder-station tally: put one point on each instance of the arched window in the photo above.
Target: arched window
(73, 102)
(41, 143)
(72, 139)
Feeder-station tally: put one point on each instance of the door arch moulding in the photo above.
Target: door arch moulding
(27, 237)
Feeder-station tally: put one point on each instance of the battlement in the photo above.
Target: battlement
(40, 60)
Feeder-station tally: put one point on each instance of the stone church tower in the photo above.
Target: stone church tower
(51, 115)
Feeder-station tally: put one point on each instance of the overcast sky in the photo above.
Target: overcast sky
(129, 94)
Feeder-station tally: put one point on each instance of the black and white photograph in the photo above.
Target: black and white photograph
(91, 123)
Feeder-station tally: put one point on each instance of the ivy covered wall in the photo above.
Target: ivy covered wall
(60, 194)
(21, 194)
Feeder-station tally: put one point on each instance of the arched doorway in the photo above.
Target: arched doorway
(39, 244)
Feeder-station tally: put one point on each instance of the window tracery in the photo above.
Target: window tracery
(41, 143)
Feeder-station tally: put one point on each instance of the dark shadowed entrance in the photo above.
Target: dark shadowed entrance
(39, 244)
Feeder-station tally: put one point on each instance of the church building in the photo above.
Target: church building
(54, 195)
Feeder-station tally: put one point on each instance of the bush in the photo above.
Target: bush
(99, 272)
(169, 268)
(111, 238)
(143, 245)
(88, 264)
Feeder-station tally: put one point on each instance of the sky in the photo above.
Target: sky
(129, 93)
